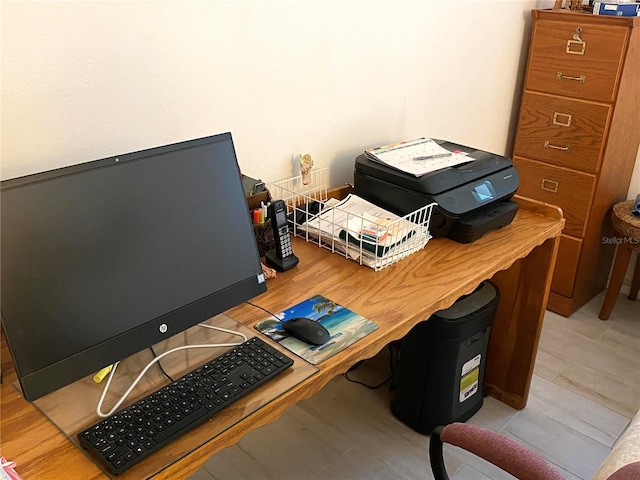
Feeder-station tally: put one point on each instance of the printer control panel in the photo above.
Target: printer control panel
(473, 195)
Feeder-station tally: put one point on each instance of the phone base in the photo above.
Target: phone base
(280, 264)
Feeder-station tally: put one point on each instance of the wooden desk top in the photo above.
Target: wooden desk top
(405, 293)
(396, 298)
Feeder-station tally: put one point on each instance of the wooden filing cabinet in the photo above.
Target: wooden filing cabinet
(577, 138)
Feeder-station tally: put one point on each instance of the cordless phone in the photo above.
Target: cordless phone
(282, 258)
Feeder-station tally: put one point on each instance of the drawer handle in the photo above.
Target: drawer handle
(580, 79)
(549, 185)
(562, 119)
(566, 148)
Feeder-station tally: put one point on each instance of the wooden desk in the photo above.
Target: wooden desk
(519, 258)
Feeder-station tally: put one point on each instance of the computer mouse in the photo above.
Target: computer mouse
(306, 330)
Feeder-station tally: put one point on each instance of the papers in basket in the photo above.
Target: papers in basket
(368, 233)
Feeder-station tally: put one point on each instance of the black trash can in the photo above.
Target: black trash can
(440, 371)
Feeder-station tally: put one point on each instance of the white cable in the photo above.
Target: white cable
(156, 359)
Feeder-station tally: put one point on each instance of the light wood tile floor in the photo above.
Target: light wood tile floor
(585, 390)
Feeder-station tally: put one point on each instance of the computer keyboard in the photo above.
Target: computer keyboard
(134, 433)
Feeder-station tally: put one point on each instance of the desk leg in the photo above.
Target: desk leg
(524, 290)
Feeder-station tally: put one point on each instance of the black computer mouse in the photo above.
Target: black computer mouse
(306, 330)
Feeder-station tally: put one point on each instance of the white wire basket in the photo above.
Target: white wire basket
(352, 227)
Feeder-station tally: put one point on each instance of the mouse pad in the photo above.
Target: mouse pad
(344, 326)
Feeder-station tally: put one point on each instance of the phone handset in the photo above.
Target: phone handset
(282, 257)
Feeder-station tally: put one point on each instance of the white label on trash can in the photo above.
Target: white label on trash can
(470, 378)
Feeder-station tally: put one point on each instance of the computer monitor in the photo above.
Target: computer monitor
(103, 259)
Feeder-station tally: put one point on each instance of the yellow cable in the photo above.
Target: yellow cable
(98, 377)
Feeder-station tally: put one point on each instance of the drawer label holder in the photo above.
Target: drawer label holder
(576, 46)
(549, 185)
(562, 119)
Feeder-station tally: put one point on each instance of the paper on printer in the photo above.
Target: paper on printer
(417, 157)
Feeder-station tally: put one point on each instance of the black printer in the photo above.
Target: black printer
(472, 198)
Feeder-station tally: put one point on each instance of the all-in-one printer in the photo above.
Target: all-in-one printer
(472, 198)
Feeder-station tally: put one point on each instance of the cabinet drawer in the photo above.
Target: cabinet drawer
(570, 190)
(562, 131)
(566, 265)
(586, 65)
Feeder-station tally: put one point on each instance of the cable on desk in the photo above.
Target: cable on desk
(160, 365)
(266, 311)
(99, 411)
(263, 309)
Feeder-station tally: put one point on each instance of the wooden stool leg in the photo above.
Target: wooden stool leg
(635, 283)
(615, 282)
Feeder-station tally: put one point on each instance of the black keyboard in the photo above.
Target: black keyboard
(132, 434)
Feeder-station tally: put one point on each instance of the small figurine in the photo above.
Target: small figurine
(305, 168)
(268, 271)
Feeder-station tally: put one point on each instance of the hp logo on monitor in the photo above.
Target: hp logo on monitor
(163, 328)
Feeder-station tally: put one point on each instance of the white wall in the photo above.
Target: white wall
(86, 80)
(90, 79)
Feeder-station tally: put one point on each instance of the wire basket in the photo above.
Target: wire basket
(352, 227)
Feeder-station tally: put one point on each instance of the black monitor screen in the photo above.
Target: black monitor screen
(101, 260)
